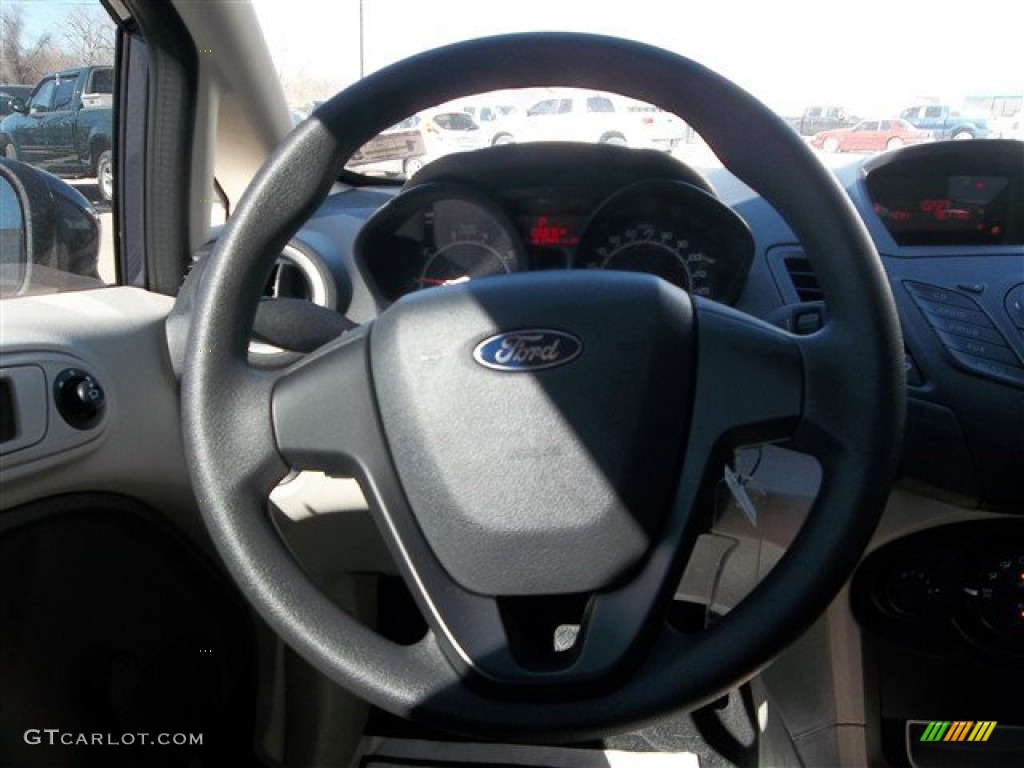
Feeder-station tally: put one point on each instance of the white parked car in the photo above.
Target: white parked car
(499, 122)
(599, 118)
(658, 128)
(419, 139)
(1009, 127)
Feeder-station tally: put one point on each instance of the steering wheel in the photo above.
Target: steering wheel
(538, 440)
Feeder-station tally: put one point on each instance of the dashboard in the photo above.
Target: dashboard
(947, 219)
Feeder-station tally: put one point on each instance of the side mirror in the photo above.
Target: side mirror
(18, 105)
(49, 234)
(13, 259)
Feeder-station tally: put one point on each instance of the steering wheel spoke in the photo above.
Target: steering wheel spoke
(323, 411)
(750, 380)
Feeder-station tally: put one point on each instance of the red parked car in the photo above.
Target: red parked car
(870, 136)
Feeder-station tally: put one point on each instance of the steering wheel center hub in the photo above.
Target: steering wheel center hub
(537, 423)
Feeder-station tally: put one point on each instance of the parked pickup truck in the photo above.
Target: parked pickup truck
(65, 126)
(824, 118)
(945, 122)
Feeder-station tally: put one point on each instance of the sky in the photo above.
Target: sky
(40, 15)
(789, 53)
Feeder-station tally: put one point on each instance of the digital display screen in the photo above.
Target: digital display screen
(945, 210)
(552, 230)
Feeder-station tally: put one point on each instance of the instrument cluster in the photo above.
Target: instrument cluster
(447, 231)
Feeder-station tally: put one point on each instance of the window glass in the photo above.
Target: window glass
(12, 242)
(546, 107)
(42, 100)
(809, 81)
(102, 81)
(408, 123)
(42, 38)
(64, 92)
(455, 121)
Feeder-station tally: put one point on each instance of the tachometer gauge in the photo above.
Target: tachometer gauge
(672, 230)
(465, 240)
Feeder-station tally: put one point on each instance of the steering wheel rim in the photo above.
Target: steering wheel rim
(848, 379)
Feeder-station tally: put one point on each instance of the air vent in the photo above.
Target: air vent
(802, 276)
(295, 276)
(288, 281)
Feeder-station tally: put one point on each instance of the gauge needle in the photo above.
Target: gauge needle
(437, 281)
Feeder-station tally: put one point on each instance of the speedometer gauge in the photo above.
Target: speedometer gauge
(657, 250)
(469, 241)
(672, 230)
(436, 234)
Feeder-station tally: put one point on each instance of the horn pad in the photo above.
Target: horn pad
(536, 422)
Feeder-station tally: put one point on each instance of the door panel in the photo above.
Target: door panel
(30, 138)
(58, 127)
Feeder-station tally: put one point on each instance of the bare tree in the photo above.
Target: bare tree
(21, 61)
(302, 89)
(87, 36)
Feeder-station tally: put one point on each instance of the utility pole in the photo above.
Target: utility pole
(362, 70)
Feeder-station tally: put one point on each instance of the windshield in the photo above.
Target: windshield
(818, 72)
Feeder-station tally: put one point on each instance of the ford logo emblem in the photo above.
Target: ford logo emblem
(533, 349)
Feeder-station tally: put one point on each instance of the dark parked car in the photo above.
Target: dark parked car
(65, 126)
